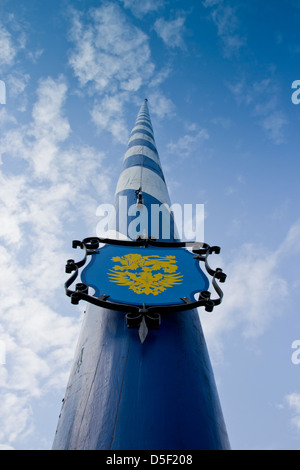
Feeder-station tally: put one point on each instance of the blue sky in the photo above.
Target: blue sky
(218, 76)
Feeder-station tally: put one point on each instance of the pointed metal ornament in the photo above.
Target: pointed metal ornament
(143, 330)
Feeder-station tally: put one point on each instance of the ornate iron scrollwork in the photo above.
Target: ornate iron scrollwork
(144, 316)
(143, 320)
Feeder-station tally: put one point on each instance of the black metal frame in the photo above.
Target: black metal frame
(138, 315)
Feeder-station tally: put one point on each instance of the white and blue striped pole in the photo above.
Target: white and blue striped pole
(124, 395)
(142, 180)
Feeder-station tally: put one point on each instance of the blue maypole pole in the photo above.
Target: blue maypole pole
(125, 395)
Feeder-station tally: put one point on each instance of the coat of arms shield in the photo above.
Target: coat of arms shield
(144, 275)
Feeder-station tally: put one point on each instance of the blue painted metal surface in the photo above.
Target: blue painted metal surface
(124, 395)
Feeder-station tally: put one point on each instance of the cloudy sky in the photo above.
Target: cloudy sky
(218, 75)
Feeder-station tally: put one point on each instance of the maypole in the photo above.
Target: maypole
(141, 377)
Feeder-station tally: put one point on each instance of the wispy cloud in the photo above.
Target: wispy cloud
(36, 205)
(188, 143)
(8, 49)
(161, 106)
(171, 31)
(225, 18)
(12, 40)
(109, 52)
(39, 141)
(293, 402)
(108, 114)
(17, 82)
(254, 293)
(261, 97)
(112, 59)
(140, 9)
(160, 76)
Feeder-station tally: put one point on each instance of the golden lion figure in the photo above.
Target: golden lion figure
(138, 273)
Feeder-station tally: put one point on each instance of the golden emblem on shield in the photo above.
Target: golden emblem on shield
(145, 274)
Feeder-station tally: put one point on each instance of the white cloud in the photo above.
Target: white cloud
(5, 118)
(111, 57)
(140, 8)
(161, 106)
(110, 53)
(12, 40)
(8, 50)
(293, 401)
(292, 242)
(188, 143)
(254, 293)
(225, 18)
(53, 188)
(171, 31)
(261, 97)
(16, 83)
(38, 142)
(108, 114)
(160, 76)
(11, 190)
(15, 414)
(39, 341)
(47, 112)
(274, 124)
(211, 3)
(6, 447)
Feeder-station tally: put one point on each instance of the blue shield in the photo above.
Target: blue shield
(144, 275)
